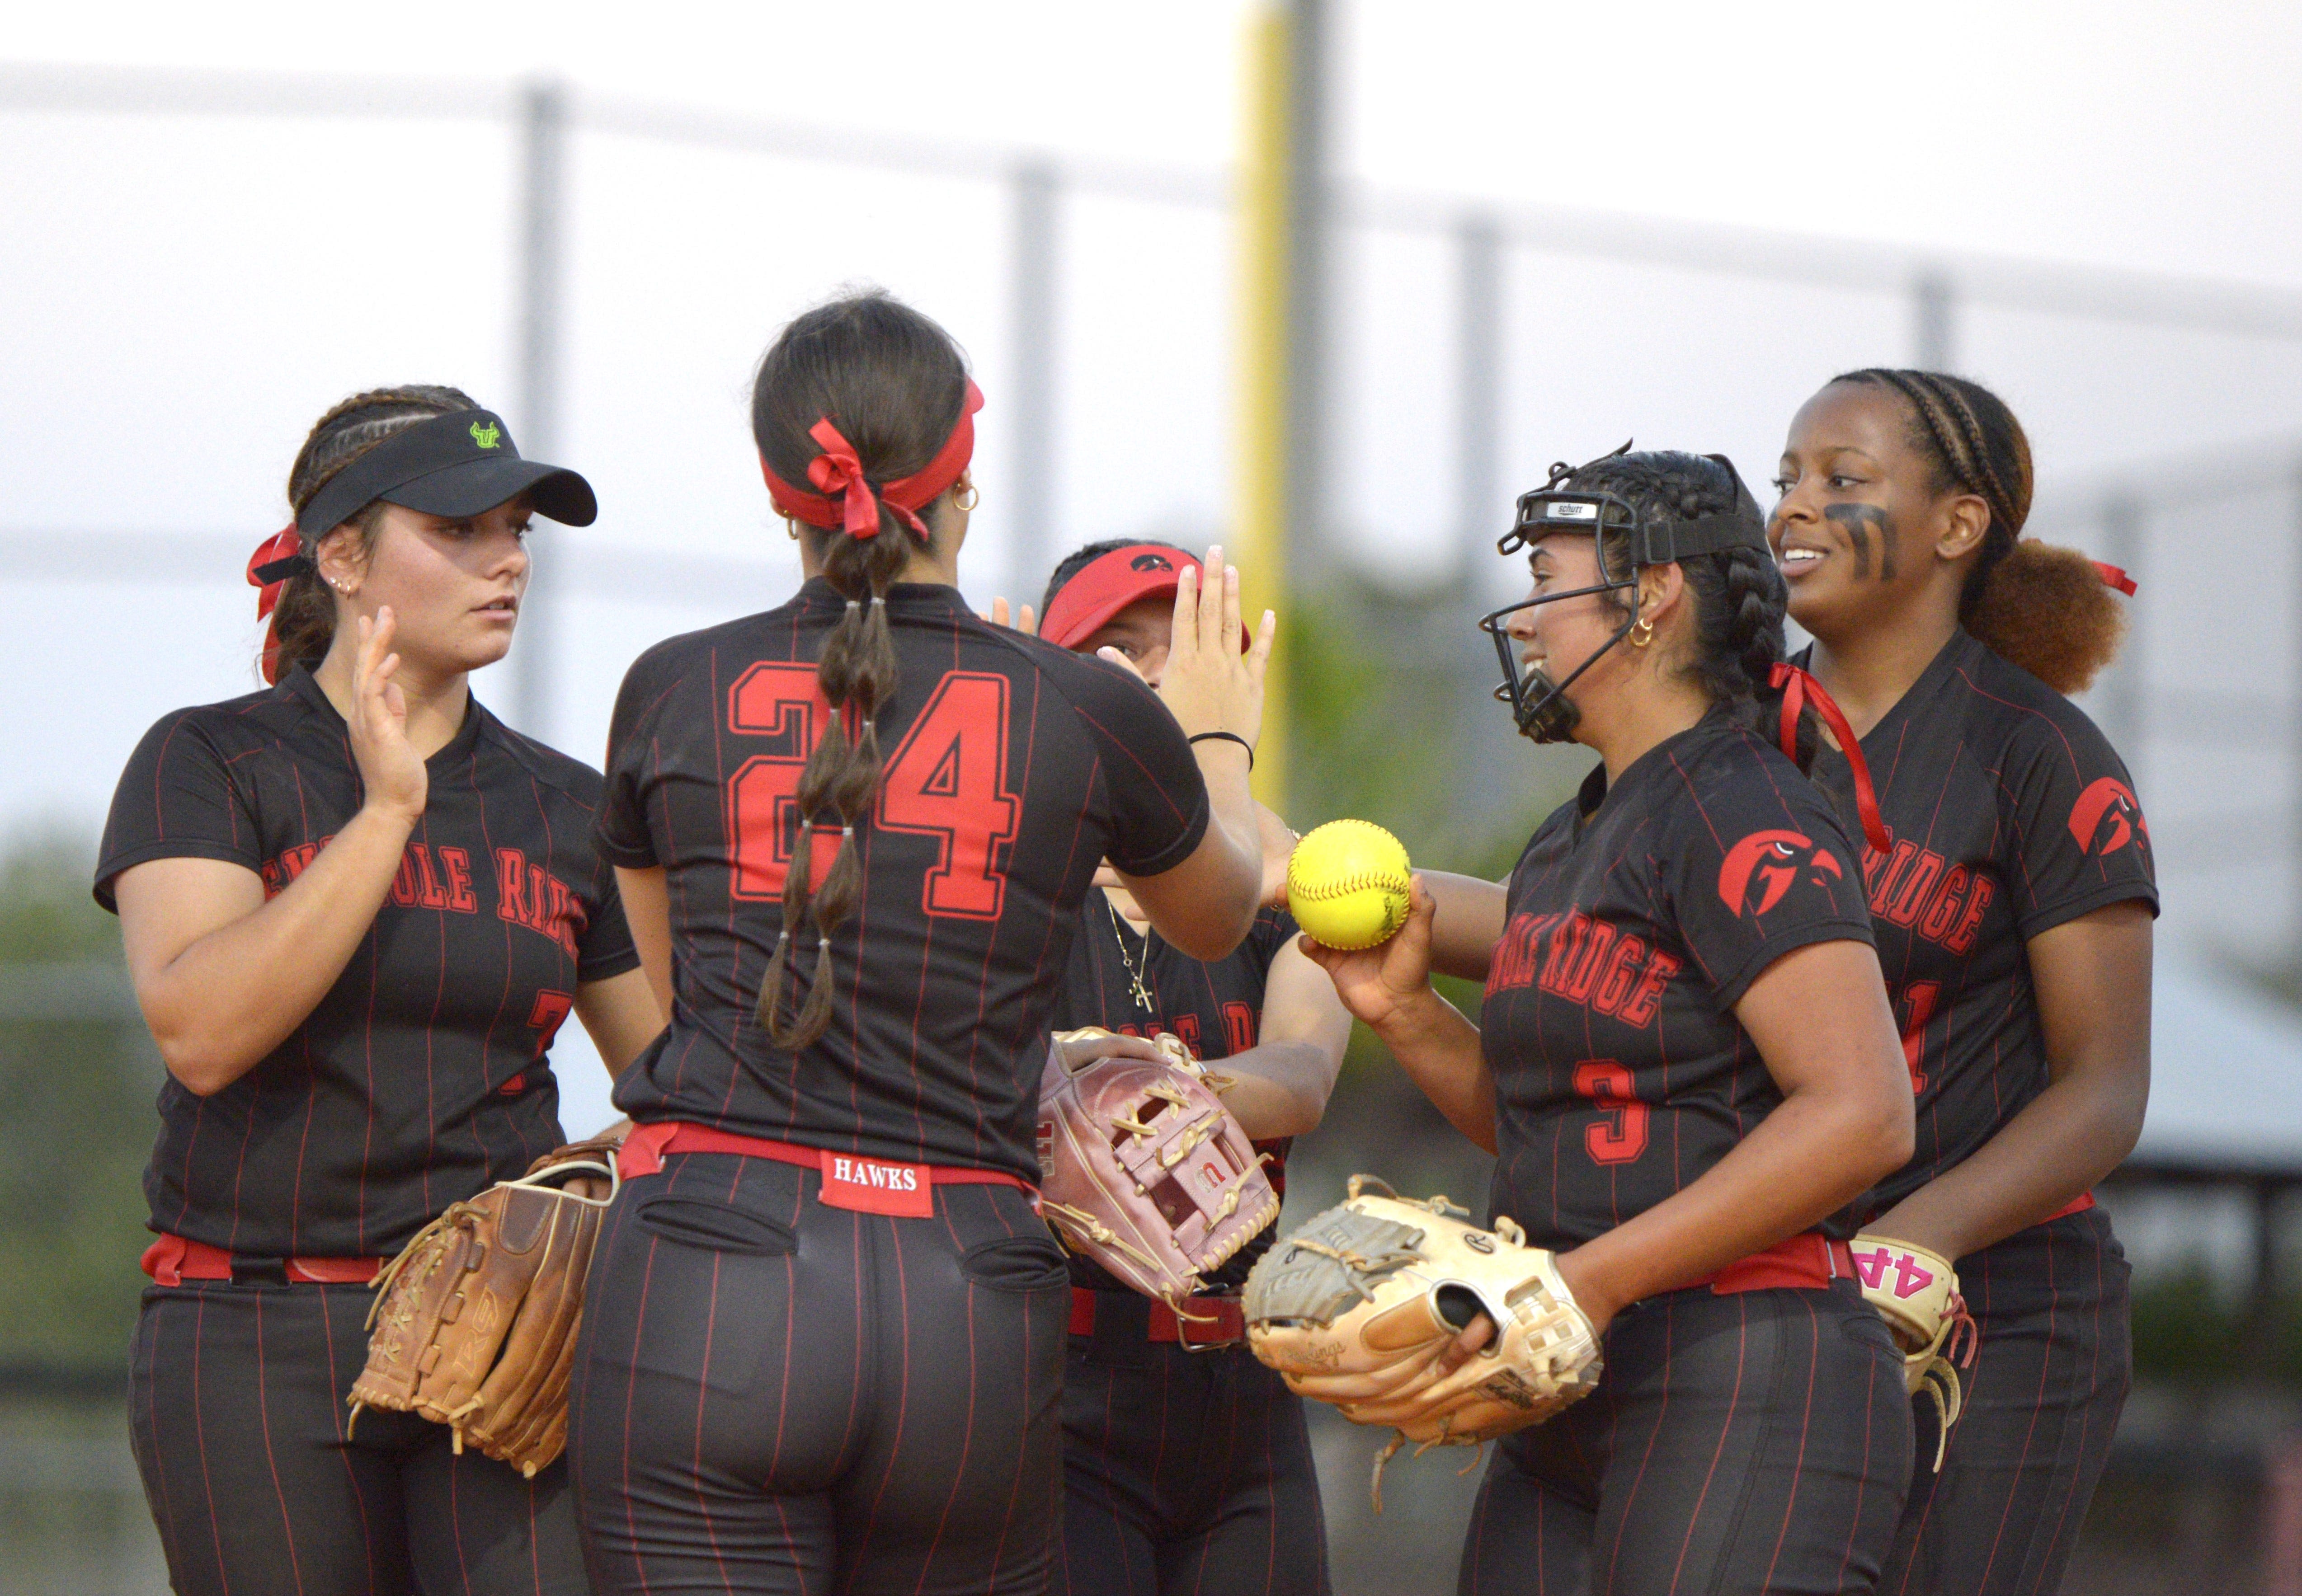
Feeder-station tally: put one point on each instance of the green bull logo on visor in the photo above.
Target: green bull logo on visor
(488, 436)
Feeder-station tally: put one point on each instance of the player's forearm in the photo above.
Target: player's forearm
(2070, 1136)
(220, 1007)
(1818, 1150)
(1280, 1088)
(1467, 923)
(1234, 817)
(1439, 1049)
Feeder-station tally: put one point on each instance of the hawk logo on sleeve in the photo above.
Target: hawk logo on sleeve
(2107, 817)
(1766, 864)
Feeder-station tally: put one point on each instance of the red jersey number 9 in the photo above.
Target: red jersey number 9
(1620, 1135)
(947, 780)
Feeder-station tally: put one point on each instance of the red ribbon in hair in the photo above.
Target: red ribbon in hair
(846, 501)
(281, 545)
(2112, 576)
(1798, 686)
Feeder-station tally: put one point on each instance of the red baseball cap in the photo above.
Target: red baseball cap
(1108, 584)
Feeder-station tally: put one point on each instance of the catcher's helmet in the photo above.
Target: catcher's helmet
(1538, 704)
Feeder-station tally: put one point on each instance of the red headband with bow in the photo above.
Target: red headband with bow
(277, 559)
(846, 501)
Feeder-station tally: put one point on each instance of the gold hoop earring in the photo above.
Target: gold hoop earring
(1643, 632)
(791, 529)
(970, 502)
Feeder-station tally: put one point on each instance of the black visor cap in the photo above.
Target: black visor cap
(460, 464)
(478, 486)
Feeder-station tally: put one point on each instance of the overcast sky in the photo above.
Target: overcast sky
(186, 293)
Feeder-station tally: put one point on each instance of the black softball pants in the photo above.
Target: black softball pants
(238, 1419)
(1184, 1472)
(1753, 1442)
(2042, 1406)
(774, 1395)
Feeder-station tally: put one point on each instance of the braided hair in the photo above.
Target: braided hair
(2038, 606)
(893, 383)
(304, 622)
(1739, 596)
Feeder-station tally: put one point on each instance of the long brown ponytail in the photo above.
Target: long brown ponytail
(304, 625)
(893, 384)
(2037, 605)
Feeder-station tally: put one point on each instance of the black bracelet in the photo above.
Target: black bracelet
(1199, 737)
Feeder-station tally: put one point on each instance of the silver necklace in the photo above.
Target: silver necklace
(1135, 972)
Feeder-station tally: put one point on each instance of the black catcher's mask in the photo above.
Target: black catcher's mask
(1539, 704)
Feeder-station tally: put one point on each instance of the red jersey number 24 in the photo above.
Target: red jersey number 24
(947, 780)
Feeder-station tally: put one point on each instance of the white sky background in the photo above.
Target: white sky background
(183, 294)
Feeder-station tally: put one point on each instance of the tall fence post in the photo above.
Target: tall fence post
(1478, 393)
(1308, 209)
(1033, 311)
(543, 134)
(2294, 731)
(1933, 331)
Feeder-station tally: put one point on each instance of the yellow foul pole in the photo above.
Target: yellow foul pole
(1258, 544)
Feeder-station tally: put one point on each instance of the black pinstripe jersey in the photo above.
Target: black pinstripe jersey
(423, 1075)
(2010, 815)
(1010, 768)
(1216, 1008)
(1638, 916)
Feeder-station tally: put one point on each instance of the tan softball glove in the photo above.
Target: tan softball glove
(1916, 1292)
(474, 1321)
(1357, 1306)
(1142, 1168)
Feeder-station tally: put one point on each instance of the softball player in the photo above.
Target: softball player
(1685, 1067)
(1187, 1464)
(2013, 910)
(823, 1342)
(356, 908)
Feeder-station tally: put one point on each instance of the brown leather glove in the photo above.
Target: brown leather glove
(474, 1324)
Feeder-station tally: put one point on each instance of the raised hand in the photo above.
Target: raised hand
(1208, 685)
(391, 771)
(1000, 612)
(1377, 984)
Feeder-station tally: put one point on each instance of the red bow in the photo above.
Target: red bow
(2112, 576)
(282, 544)
(838, 474)
(1797, 687)
(846, 501)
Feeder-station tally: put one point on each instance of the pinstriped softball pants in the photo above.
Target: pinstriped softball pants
(1186, 1472)
(236, 1415)
(2042, 1404)
(1753, 1442)
(773, 1395)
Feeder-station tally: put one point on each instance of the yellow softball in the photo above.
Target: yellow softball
(1347, 884)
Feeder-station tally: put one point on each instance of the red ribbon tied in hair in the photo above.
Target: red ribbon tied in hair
(844, 499)
(838, 474)
(1798, 686)
(282, 546)
(2113, 577)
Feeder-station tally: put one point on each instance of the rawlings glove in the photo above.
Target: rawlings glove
(1358, 1308)
(474, 1321)
(1142, 1168)
(1916, 1292)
